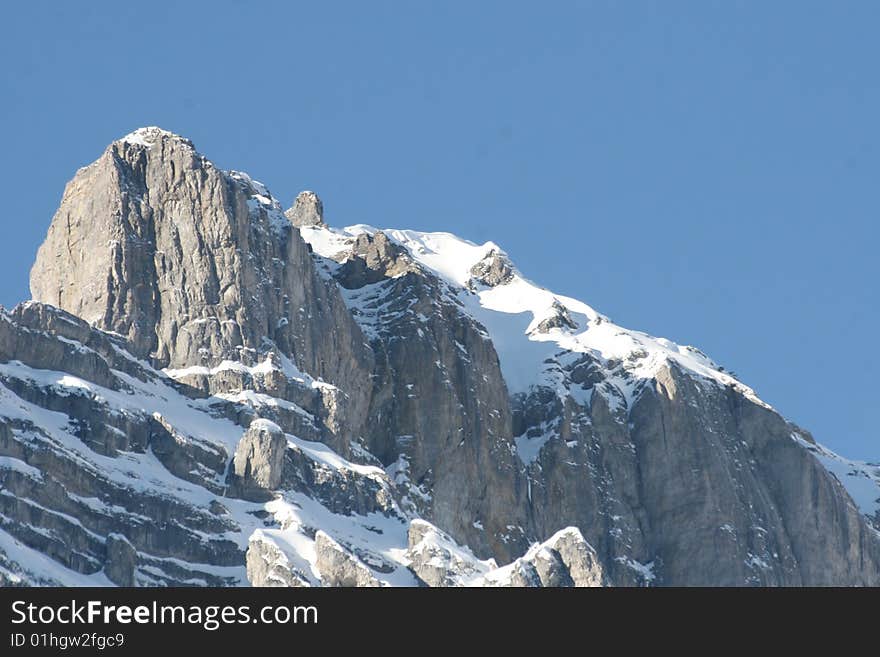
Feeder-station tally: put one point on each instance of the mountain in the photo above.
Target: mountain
(209, 390)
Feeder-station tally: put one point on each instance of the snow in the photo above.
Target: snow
(261, 200)
(267, 365)
(261, 424)
(129, 471)
(259, 400)
(643, 570)
(321, 453)
(17, 465)
(511, 311)
(38, 565)
(861, 480)
(147, 136)
(327, 242)
(528, 448)
(385, 537)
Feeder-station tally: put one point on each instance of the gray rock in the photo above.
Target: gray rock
(578, 557)
(436, 560)
(524, 575)
(340, 490)
(373, 258)
(495, 269)
(60, 501)
(439, 401)
(121, 560)
(268, 566)
(559, 318)
(194, 266)
(551, 569)
(338, 566)
(259, 459)
(307, 210)
(157, 259)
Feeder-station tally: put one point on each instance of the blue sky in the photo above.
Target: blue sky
(704, 171)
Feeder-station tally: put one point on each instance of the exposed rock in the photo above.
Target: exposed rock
(268, 566)
(339, 567)
(121, 560)
(551, 569)
(563, 560)
(373, 258)
(440, 402)
(194, 266)
(494, 269)
(41, 350)
(341, 490)
(522, 574)
(578, 557)
(259, 459)
(437, 561)
(557, 318)
(307, 210)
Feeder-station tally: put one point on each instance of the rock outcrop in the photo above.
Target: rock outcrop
(259, 459)
(437, 561)
(440, 408)
(339, 567)
(494, 269)
(307, 210)
(268, 566)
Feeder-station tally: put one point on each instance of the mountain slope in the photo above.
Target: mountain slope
(221, 392)
(590, 406)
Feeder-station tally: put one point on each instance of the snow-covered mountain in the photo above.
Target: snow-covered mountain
(208, 390)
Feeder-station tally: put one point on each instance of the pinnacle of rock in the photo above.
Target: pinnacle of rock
(307, 210)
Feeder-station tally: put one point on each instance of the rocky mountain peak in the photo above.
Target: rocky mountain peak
(307, 210)
(494, 269)
(149, 135)
(192, 264)
(197, 380)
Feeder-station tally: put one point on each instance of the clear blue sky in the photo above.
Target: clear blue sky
(704, 171)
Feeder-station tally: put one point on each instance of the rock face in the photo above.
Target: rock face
(439, 410)
(209, 391)
(307, 210)
(437, 561)
(121, 561)
(268, 566)
(564, 560)
(728, 514)
(577, 557)
(193, 265)
(259, 458)
(339, 567)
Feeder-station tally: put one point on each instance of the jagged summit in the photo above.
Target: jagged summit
(193, 264)
(307, 210)
(149, 135)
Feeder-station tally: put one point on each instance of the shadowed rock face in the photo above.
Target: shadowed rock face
(705, 485)
(440, 410)
(317, 410)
